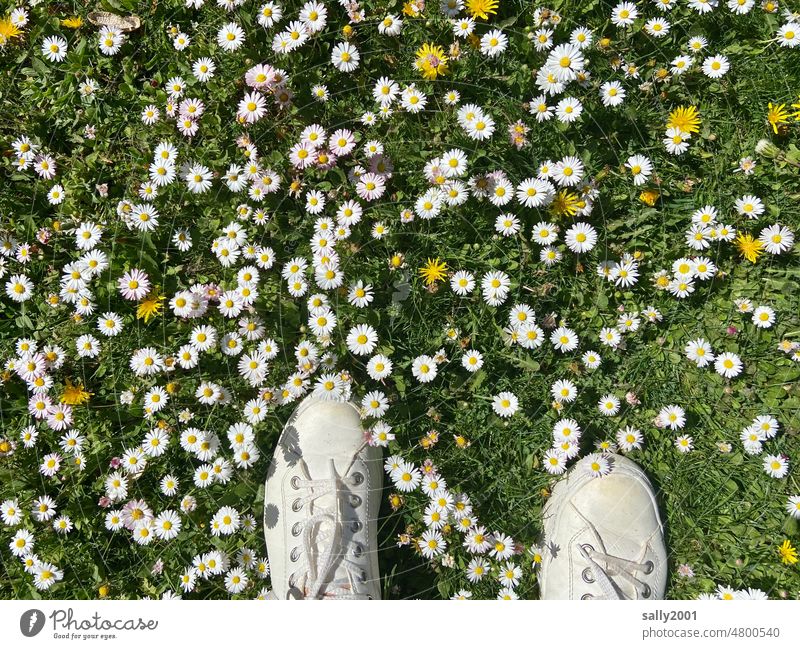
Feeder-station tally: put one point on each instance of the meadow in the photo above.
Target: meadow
(475, 219)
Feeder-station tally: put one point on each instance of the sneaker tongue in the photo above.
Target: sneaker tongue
(329, 541)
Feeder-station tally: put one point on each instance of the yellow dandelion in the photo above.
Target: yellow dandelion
(649, 197)
(796, 114)
(482, 8)
(776, 115)
(685, 118)
(433, 271)
(8, 30)
(788, 553)
(72, 22)
(565, 203)
(74, 395)
(431, 61)
(411, 9)
(150, 307)
(748, 247)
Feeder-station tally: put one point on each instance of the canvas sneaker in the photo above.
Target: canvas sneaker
(603, 538)
(321, 503)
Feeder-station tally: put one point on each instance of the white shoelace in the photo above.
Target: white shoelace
(605, 566)
(323, 542)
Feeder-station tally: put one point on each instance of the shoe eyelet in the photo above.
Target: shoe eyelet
(358, 550)
(294, 555)
(646, 591)
(648, 567)
(291, 581)
(296, 529)
(369, 596)
(358, 478)
(355, 501)
(297, 505)
(587, 548)
(295, 482)
(362, 576)
(587, 596)
(587, 576)
(356, 526)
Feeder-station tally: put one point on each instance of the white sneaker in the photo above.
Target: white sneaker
(321, 503)
(603, 536)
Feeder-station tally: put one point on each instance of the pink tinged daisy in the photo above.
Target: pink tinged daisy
(341, 142)
(371, 186)
(134, 284)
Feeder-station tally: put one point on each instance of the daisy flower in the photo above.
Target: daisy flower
(728, 365)
(505, 404)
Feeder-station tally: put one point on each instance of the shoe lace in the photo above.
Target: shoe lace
(323, 541)
(604, 567)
